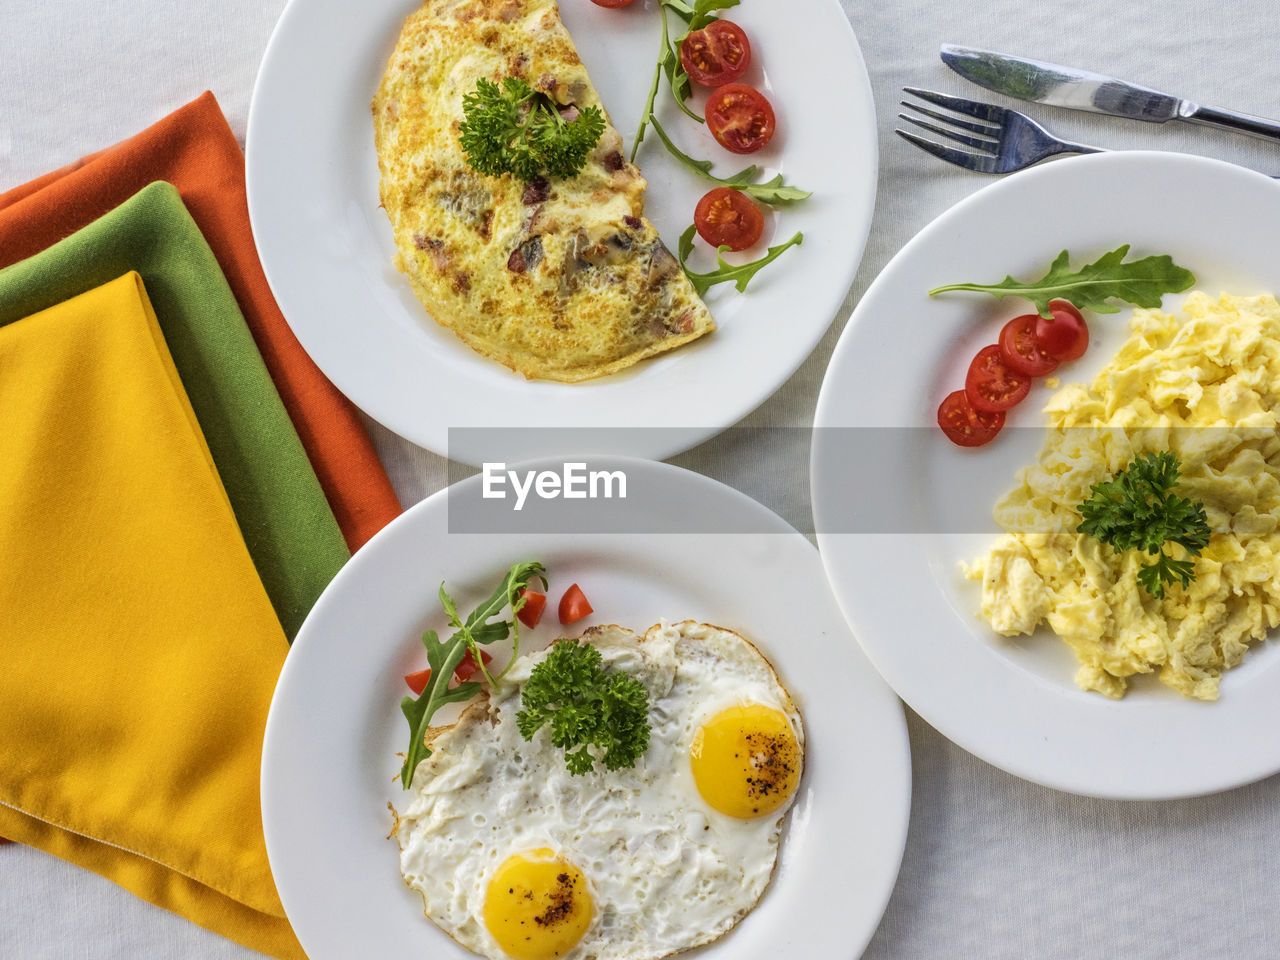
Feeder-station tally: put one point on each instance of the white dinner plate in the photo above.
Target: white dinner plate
(1014, 702)
(326, 245)
(330, 763)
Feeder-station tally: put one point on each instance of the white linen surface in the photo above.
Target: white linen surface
(995, 867)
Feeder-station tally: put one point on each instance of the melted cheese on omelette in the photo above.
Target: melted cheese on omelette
(1206, 386)
(559, 279)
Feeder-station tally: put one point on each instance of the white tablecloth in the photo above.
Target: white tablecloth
(994, 867)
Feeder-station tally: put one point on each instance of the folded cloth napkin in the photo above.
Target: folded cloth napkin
(195, 150)
(287, 524)
(140, 649)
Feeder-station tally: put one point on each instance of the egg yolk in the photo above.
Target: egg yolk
(746, 761)
(537, 905)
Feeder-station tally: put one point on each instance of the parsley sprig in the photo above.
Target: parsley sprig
(586, 707)
(444, 656)
(512, 128)
(739, 273)
(1135, 511)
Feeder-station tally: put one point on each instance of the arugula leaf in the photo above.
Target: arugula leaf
(772, 192)
(585, 707)
(740, 274)
(515, 129)
(695, 17)
(1139, 282)
(1134, 510)
(677, 80)
(444, 656)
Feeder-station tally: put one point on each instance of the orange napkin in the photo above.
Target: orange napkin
(194, 149)
(140, 648)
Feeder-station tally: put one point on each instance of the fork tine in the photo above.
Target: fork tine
(982, 128)
(986, 146)
(984, 111)
(980, 162)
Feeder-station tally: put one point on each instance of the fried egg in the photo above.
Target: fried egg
(513, 856)
(1205, 385)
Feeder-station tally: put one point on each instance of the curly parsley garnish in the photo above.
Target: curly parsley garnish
(1135, 511)
(586, 707)
(444, 656)
(512, 128)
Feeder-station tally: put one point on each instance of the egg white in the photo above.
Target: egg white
(665, 871)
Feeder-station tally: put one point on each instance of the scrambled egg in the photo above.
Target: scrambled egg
(1207, 387)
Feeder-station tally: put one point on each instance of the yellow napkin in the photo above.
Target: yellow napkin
(139, 647)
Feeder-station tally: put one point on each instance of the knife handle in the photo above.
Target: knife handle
(1239, 122)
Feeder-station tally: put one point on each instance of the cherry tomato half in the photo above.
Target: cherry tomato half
(611, 4)
(573, 605)
(1020, 349)
(740, 118)
(1066, 336)
(531, 612)
(991, 386)
(966, 426)
(717, 54)
(727, 217)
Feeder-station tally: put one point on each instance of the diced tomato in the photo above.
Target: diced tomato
(573, 605)
(611, 4)
(465, 669)
(717, 54)
(739, 117)
(1020, 349)
(534, 603)
(991, 386)
(417, 681)
(964, 425)
(727, 217)
(1066, 336)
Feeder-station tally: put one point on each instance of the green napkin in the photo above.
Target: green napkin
(287, 524)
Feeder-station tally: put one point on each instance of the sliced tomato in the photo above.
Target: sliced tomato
(468, 668)
(1020, 349)
(991, 385)
(717, 54)
(465, 669)
(728, 218)
(740, 118)
(611, 4)
(573, 605)
(534, 603)
(1066, 336)
(964, 425)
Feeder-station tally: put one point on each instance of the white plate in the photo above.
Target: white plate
(329, 763)
(326, 244)
(1014, 703)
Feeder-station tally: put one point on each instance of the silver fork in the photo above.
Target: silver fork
(1006, 141)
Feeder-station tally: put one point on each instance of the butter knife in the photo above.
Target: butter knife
(1081, 90)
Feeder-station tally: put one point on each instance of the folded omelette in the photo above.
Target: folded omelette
(558, 279)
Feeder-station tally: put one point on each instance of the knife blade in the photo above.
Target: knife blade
(1040, 82)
